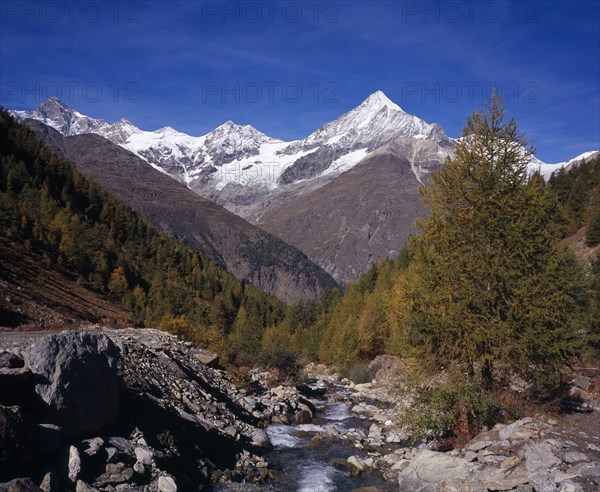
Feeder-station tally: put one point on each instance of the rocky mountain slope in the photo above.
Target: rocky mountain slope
(274, 184)
(245, 250)
(361, 217)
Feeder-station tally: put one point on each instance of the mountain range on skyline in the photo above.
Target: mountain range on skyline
(347, 195)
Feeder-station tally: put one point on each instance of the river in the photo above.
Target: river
(304, 456)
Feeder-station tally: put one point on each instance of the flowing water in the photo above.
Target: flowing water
(307, 466)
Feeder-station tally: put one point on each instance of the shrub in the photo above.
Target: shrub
(455, 409)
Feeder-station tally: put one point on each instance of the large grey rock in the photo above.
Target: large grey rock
(261, 439)
(84, 487)
(510, 474)
(429, 468)
(144, 456)
(167, 484)
(19, 485)
(302, 417)
(76, 377)
(10, 361)
(540, 461)
(74, 464)
(50, 483)
(115, 473)
(207, 358)
(539, 457)
(15, 441)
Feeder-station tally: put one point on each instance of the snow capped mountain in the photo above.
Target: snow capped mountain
(548, 169)
(370, 125)
(342, 143)
(237, 165)
(58, 115)
(55, 113)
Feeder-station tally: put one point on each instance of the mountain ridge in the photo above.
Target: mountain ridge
(248, 252)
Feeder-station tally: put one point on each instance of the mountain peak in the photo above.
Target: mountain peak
(52, 103)
(379, 99)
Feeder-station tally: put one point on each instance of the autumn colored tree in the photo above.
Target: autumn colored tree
(488, 286)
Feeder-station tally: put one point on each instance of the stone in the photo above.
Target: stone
(374, 431)
(539, 457)
(144, 456)
(471, 456)
(569, 486)
(73, 464)
(356, 465)
(50, 483)
(115, 473)
(93, 446)
(139, 468)
(47, 438)
(509, 475)
(166, 484)
(591, 471)
(84, 487)
(9, 360)
(76, 377)
(574, 457)
(260, 439)
(543, 483)
(19, 485)
(302, 417)
(582, 382)
(433, 468)
(478, 445)
(15, 441)
(110, 453)
(401, 465)
(207, 358)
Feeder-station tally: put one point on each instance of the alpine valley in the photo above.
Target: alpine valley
(346, 196)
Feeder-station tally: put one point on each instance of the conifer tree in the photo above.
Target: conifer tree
(487, 285)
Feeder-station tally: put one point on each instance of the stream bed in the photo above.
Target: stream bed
(304, 456)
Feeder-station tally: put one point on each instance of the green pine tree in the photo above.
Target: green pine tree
(592, 237)
(488, 286)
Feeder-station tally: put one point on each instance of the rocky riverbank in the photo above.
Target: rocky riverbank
(123, 409)
(538, 453)
(132, 409)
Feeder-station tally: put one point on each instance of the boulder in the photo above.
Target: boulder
(509, 475)
(428, 469)
(74, 464)
(260, 439)
(115, 473)
(76, 378)
(50, 483)
(144, 456)
(166, 484)
(302, 417)
(19, 485)
(356, 465)
(15, 441)
(84, 487)
(10, 361)
(207, 358)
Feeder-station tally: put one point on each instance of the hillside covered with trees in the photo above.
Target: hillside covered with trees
(48, 207)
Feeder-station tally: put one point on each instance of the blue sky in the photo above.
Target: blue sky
(287, 67)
